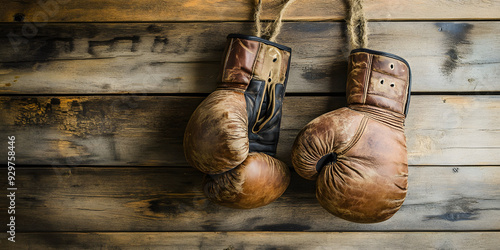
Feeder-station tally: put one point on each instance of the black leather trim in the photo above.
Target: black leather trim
(381, 53)
(262, 40)
(254, 95)
(265, 140)
(285, 83)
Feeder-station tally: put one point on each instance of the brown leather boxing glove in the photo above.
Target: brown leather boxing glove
(357, 154)
(233, 133)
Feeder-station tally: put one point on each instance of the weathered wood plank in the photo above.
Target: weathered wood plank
(242, 10)
(170, 199)
(261, 240)
(185, 57)
(138, 130)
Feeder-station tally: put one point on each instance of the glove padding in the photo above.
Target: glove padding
(357, 154)
(233, 133)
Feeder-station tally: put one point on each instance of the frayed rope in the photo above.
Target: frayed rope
(357, 25)
(272, 29)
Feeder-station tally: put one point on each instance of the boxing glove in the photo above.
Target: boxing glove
(357, 154)
(233, 134)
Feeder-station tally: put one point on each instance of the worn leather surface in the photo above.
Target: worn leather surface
(378, 81)
(264, 98)
(238, 63)
(216, 137)
(367, 182)
(256, 182)
(233, 133)
(266, 139)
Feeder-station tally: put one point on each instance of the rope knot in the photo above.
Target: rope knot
(272, 29)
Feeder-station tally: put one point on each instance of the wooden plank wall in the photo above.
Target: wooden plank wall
(98, 94)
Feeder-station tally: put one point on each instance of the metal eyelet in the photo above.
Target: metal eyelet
(391, 66)
(381, 81)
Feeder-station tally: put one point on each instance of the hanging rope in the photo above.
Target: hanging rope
(272, 29)
(357, 25)
(258, 27)
(270, 32)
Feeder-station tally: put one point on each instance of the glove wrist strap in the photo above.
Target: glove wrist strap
(387, 117)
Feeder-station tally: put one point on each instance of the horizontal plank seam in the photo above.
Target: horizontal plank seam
(323, 19)
(106, 58)
(297, 94)
(13, 25)
(103, 167)
(311, 232)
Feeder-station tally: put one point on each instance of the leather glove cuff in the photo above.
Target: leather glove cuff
(379, 79)
(259, 68)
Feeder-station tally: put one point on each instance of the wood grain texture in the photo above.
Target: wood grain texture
(454, 198)
(262, 240)
(148, 130)
(241, 10)
(93, 58)
(100, 162)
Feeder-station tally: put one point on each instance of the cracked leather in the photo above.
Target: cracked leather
(254, 67)
(266, 139)
(357, 154)
(233, 133)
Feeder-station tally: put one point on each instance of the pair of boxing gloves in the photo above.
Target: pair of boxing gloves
(356, 154)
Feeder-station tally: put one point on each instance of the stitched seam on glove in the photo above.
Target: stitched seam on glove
(368, 76)
(391, 119)
(255, 63)
(385, 97)
(389, 74)
(270, 90)
(230, 89)
(356, 137)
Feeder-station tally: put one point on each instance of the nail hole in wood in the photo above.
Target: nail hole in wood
(19, 17)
